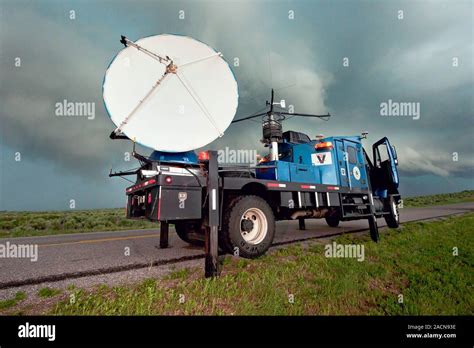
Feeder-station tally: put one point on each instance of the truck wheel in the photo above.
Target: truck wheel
(187, 230)
(332, 221)
(393, 220)
(374, 229)
(248, 227)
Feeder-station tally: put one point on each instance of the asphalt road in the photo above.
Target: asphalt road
(78, 255)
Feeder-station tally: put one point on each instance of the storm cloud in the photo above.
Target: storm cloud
(298, 48)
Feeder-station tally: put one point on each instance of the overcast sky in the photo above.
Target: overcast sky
(296, 47)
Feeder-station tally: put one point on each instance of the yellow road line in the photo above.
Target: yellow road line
(90, 241)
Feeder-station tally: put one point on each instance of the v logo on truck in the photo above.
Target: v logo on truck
(182, 196)
(321, 159)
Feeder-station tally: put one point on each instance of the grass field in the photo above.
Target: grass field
(21, 224)
(416, 262)
(445, 198)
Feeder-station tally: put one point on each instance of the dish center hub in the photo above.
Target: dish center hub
(171, 68)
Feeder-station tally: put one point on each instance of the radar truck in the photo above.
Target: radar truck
(233, 209)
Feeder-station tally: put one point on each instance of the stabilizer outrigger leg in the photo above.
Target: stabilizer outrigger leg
(302, 224)
(164, 232)
(373, 227)
(211, 248)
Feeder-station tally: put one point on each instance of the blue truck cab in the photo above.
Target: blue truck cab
(332, 160)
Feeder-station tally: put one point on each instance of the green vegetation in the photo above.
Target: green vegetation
(445, 198)
(417, 262)
(19, 296)
(48, 292)
(20, 224)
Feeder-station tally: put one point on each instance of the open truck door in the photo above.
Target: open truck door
(384, 176)
(384, 180)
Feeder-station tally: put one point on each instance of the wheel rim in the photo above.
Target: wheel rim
(259, 226)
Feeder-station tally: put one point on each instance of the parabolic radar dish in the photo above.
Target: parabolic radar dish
(170, 93)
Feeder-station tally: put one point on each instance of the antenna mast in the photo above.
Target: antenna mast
(272, 124)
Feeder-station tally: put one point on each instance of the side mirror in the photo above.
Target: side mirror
(394, 151)
(395, 158)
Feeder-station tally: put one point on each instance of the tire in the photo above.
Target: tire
(374, 229)
(332, 221)
(393, 220)
(185, 230)
(252, 238)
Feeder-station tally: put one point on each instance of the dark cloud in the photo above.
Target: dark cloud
(409, 60)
